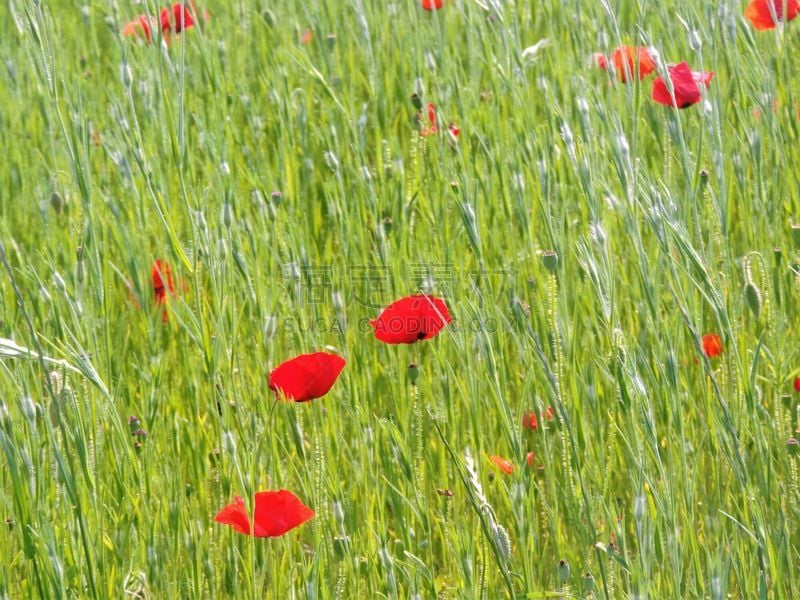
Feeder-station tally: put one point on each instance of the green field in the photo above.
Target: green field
(280, 158)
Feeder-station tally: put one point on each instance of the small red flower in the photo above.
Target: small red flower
(141, 25)
(162, 281)
(454, 130)
(163, 285)
(626, 59)
(760, 12)
(529, 421)
(503, 464)
(796, 384)
(549, 414)
(431, 120)
(411, 319)
(306, 377)
(529, 460)
(177, 18)
(432, 4)
(685, 84)
(275, 514)
(712, 345)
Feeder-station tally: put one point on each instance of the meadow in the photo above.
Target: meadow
(609, 408)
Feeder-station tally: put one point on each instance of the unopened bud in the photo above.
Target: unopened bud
(796, 234)
(753, 296)
(793, 446)
(57, 202)
(588, 583)
(550, 260)
(227, 215)
(413, 373)
(563, 571)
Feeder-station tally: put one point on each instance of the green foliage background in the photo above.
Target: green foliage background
(659, 219)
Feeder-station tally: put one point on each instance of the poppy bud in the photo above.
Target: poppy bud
(341, 544)
(753, 296)
(796, 234)
(588, 583)
(277, 198)
(563, 571)
(227, 215)
(413, 373)
(133, 424)
(416, 101)
(550, 260)
(704, 175)
(793, 446)
(269, 18)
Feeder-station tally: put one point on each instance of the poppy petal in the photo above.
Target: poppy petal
(503, 464)
(685, 86)
(278, 512)
(306, 377)
(432, 4)
(411, 319)
(177, 18)
(142, 24)
(163, 283)
(235, 515)
(712, 345)
(760, 13)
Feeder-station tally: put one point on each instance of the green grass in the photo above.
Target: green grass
(659, 219)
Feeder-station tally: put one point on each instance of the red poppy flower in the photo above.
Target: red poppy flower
(796, 384)
(685, 84)
(529, 421)
(712, 345)
(549, 414)
(306, 377)
(177, 18)
(275, 514)
(141, 25)
(454, 130)
(432, 4)
(626, 59)
(760, 12)
(162, 281)
(529, 460)
(432, 120)
(503, 464)
(411, 319)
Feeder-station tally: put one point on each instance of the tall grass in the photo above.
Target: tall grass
(663, 474)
